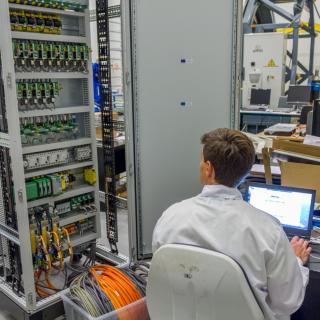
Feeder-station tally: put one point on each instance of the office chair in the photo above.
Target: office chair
(188, 283)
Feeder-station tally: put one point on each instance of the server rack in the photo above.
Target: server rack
(47, 120)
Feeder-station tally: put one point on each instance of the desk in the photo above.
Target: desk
(256, 121)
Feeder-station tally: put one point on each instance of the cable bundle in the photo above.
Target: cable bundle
(103, 289)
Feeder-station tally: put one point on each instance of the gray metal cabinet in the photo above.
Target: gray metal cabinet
(182, 79)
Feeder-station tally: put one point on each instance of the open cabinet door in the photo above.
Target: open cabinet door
(182, 66)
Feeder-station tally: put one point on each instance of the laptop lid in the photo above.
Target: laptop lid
(293, 207)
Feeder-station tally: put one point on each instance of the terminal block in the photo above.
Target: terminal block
(57, 157)
(29, 21)
(53, 4)
(60, 182)
(37, 94)
(30, 55)
(49, 129)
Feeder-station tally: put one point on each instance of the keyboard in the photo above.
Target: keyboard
(256, 108)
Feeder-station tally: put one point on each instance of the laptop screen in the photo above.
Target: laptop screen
(291, 206)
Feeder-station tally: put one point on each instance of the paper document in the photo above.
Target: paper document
(312, 140)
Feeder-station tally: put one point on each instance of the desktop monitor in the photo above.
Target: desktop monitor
(293, 207)
(260, 97)
(299, 95)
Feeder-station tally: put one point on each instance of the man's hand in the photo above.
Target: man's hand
(301, 249)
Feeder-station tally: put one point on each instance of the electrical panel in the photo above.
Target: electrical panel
(264, 64)
(48, 160)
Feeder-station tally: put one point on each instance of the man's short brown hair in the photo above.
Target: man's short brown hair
(231, 154)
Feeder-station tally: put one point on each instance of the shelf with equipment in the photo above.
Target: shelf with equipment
(47, 37)
(51, 75)
(52, 146)
(72, 193)
(62, 168)
(53, 111)
(48, 155)
(48, 10)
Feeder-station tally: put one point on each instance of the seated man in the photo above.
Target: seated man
(220, 220)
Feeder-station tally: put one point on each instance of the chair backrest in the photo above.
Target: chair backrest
(283, 102)
(189, 283)
(304, 114)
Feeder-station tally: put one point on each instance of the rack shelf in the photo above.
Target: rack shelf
(42, 172)
(51, 75)
(78, 239)
(76, 191)
(48, 37)
(55, 111)
(48, 10)
(57, 145)
(74, 217)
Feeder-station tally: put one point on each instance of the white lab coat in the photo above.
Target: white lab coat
(220, 220)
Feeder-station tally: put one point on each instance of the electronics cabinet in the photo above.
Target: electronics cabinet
(182, 62)
(48, 162)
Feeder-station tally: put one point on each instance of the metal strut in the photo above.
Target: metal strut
(107, 122)
(293, 21)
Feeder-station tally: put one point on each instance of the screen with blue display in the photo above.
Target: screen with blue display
(291, 208)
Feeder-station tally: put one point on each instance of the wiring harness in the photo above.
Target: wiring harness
(102, 289)
(46, 275)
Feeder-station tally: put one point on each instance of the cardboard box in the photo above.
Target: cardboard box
(295, 147)
(301, 175)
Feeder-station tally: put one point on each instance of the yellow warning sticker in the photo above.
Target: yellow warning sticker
(271, 64)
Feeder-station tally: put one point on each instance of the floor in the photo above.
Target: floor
(123, 247)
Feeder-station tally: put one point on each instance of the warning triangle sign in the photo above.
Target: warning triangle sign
(271, 64)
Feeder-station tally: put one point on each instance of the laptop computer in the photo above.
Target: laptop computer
(293, 207)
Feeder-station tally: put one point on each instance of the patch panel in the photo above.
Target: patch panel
(53, 4)
(49, 129)
(56, 157)
(29, 21)
(37, 94)
(32, 55)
